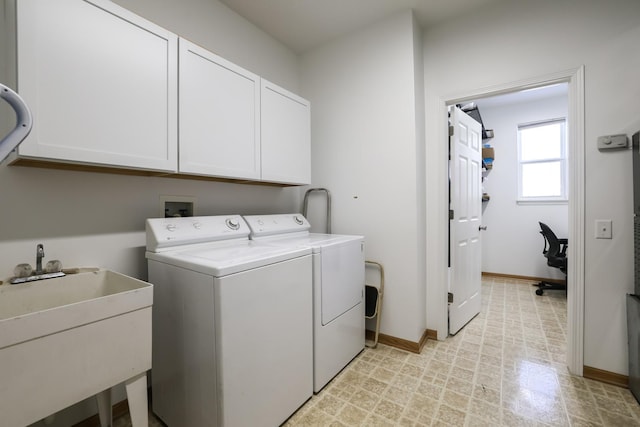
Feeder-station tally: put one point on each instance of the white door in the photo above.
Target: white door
(466, 206)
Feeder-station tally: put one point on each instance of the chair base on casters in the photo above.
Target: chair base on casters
(542, 286)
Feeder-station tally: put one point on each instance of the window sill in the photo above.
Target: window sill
(542, 201)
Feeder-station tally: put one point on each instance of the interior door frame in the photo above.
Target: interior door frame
(576, 251)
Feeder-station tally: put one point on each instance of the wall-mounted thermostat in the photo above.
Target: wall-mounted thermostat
(613, 141)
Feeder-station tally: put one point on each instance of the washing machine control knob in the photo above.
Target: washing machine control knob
(233, 223)
(197, 225)
(171, 227)
(298, 220)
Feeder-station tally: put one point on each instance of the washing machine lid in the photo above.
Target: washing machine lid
(220, 259)
(215, 245)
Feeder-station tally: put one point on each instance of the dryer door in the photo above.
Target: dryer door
(342, 278)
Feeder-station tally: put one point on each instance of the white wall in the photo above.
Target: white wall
(364, 93)
(512, 41)
(92, 219)
(512, 243)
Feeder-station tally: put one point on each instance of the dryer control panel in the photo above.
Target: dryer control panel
(166, 233)
(284, 224)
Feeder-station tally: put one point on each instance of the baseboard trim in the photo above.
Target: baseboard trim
(423, 340)
(605, 376)
(513, 276)
(400, 343)
(432, 334)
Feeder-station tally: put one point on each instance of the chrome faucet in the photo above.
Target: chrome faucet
(25, 274)
(39, 256)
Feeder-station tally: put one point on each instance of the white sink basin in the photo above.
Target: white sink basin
(65, 339)
(31, 310)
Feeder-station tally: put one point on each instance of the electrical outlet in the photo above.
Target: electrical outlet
(603, 229)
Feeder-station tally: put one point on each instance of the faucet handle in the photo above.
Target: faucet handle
(22, 270)
(53, 266)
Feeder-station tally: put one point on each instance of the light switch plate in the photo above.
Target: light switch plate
(603, 229)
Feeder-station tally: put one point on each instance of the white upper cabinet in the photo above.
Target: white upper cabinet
(109, 88)
(285, 136)
(219, 112)
(101, 83)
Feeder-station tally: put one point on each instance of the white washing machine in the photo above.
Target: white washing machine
(232, 324)
(338, 288)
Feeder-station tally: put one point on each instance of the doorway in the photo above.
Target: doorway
(575, 281)
(516, 197)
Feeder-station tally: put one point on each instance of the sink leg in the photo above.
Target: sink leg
(137, 397)
(104, 408)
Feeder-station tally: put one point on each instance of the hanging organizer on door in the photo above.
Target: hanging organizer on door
(373, 301)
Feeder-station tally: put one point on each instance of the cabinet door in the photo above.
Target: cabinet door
(101, 83)
(285, 136)
(219, 116)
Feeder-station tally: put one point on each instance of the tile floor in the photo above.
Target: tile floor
(505, 368)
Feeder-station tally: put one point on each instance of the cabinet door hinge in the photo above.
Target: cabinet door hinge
(450, 130)
(451, 214)
(450, 297)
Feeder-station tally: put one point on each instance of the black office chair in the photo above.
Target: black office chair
(555, 251)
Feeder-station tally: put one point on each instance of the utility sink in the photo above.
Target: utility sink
(65, 339)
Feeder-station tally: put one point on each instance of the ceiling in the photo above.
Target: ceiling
(528, 95)
(302, 25)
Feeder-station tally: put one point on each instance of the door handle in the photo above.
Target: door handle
(482, 228)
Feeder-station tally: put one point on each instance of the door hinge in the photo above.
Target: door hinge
(450, 130)
(451, 214)
(450, 297)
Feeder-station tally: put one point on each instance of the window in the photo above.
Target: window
(542, 162)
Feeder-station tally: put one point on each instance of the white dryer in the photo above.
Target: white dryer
(338, 288)
(232, 324)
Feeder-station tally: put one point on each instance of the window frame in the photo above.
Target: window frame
(563, 197)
